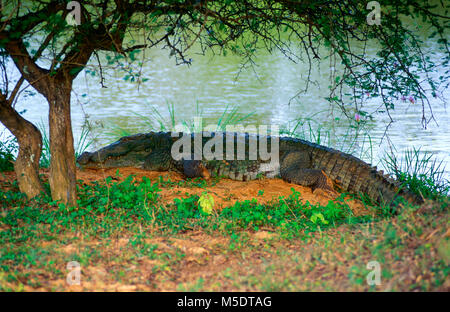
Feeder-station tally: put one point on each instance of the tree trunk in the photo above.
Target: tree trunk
(62, 163)
(29, 138)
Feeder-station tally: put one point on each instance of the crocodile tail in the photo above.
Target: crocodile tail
(356, 176)
(385, 189)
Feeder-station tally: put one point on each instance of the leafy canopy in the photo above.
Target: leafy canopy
(39, 39)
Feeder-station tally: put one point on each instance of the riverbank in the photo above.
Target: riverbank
(146, 232)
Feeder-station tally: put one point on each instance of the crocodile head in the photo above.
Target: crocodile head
(159, 160)
(130, 151)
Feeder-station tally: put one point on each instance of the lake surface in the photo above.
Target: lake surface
(269, 91)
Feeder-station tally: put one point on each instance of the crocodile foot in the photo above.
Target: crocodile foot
(325, 192)
(314, 178)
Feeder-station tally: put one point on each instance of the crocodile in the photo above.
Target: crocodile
(298, 161)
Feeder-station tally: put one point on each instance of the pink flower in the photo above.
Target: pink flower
(411, 99)
(357, 117)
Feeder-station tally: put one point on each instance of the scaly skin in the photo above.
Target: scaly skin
(301, 162)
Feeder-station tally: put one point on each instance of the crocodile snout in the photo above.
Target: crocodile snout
(84, 158)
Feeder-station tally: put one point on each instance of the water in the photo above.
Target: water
(269, 90)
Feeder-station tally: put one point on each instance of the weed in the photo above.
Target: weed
(421, 173)
(8, 150)
(80, 146)
(155, 121)
(111, 210)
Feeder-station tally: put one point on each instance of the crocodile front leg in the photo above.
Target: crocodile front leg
(161, 160)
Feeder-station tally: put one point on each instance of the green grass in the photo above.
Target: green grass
(81, 145)
(421, 172)
(310, 247)
(356, 140)
(8, 148)
(155, 121)
(112, 207)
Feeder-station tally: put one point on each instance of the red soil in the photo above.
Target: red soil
(226, 192)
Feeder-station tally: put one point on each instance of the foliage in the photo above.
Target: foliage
(112, 207)
(45, 156)
(336, 30)
(155, 121)
(127, 222)
(206, 203)
(81, 145)
(8, 150)
(420, 172)
(34, 255)
(356, 140)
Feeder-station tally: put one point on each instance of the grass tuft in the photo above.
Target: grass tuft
(8, 150)
(421, 172)
(80, 146)
(155, 121)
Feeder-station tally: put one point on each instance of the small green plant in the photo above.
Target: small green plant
(45, 155)
(155, 121)
(84, 141)
(206, 203)
(356, 140)
(420, 172)
(117, 132)
(80, 146)
(230, 117)
(318, 217)
(8, 150)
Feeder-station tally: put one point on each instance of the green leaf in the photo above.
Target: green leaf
(206, 203)
(74, 71)
(318, 217)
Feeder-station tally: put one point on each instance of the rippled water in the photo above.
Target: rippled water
(268, 91)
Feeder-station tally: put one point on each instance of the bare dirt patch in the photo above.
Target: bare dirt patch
(225, 192)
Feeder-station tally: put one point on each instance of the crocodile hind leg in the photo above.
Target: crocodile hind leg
(314, 178)
(296, 168)
(195, 168)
